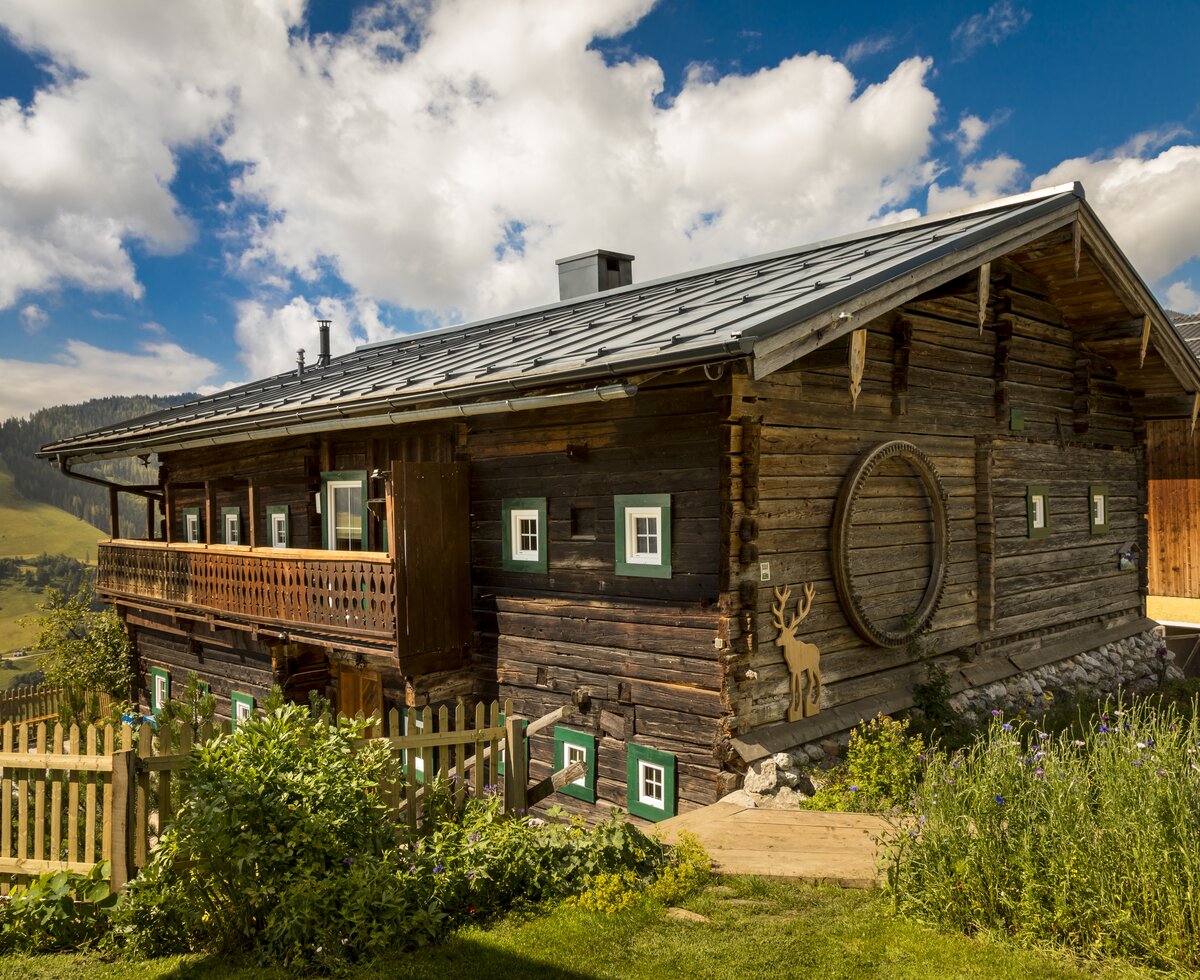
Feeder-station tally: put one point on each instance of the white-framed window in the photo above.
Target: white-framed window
(1037, 507)
(191, 526)
(279, 529)
(643, 535)
(1098, 509)
(233, 526)
(652, 782)
(160, 688)
(573, 754)
(1039, 511)
(1099, 514)
(526, 535)
(345, 514)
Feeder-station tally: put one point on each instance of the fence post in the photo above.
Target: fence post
(516, 777)
(119, 849)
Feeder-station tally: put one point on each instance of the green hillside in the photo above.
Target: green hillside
(28, 528)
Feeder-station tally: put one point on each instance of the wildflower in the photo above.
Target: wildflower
(1039, 754)
(1000, 799)
(1137, 762)
(1141, 745)
(438, 869)
(1042, 736)
(1103, 728)
(853, 789)
(950, 780)
(1039, 772)
(1162, 772)
(995, 712)
(1119, 714)
(347, 861)
(1080, 743)
(921, 757)
(474, 835)
(1007, 727)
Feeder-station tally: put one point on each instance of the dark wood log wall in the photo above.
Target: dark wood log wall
(637, 654)
(1173, 467)
(932, 379)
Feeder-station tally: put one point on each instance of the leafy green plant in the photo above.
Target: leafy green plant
(193, 706)
(57, 910)
(882, 769)
(1088, 840)
(87, 652)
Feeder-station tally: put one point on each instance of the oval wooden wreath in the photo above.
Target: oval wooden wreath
(852, 486)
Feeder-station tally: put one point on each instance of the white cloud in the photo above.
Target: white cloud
(983, 181)
(33, 318)
(867, 47)
(1148, 201)
(971, 130)
(439, 156)
(83, 371)
(268, 337)
(1182, 297)
(1001, 21)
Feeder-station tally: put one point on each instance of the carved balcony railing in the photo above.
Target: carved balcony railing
(329, 592)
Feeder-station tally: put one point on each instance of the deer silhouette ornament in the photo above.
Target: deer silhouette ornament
(803, 659)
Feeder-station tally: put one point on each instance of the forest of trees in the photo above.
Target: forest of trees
(67, 575)
(35, 479)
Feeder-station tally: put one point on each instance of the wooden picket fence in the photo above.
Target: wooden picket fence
(30, 704)
(72, 797)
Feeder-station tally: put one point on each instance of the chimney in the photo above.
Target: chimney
(300, 363)
(593, 272)
(323, 357)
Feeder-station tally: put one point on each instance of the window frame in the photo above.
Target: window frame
(330, 482)
(1099, 491)
(637, 759)
(159, 674)
(512, 559)
(1032, 494)
(566, 739)
(275, 511)
(228, 513)
(238, 699)
(627, 508)
(193, 514)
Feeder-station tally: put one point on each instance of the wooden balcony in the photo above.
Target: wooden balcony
(350, 594)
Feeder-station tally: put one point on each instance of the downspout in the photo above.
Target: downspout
(141, 489)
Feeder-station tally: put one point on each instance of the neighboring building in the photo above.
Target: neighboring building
(720, 512)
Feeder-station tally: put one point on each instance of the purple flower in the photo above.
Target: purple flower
(1137, 762)
(474, 835)
(853, 789)
(1006, 727)
(1042, 736)
(438, 869)
(1000, 799)
(995, 712)
(1102, 729)
(347, 861)
(1039, 772)
(1162, 772)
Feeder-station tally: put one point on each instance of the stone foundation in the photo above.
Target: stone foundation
(1134, 664)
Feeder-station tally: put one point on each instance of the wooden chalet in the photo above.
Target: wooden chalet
(721, 513)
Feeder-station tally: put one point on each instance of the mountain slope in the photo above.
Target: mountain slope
(29, 527)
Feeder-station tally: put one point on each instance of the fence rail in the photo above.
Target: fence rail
(72, 797)
(30, 704)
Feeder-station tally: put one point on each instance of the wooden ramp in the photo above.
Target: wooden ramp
(840, 848)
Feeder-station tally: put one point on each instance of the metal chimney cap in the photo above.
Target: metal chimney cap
(596, 252)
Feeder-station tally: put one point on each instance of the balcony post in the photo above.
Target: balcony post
(210, 508)
(114, 513)
(169, 512)
(252, 511)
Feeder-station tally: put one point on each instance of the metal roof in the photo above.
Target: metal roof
(1188, 327)
(698, 317)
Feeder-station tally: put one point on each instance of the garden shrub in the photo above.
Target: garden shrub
(56, 911)
(687, 869)
(1089, 840)
(882, 767)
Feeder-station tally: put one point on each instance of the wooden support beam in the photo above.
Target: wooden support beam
(552, 784)
(252, 512)
(985, 536)
(1145, 340)
(857, 364)
(169, 511)
(1083, 391)
(1004, 335)
(210, 510)
(1076, 245)
(985, 285)
(114, 513)
(1195, 411)
(902, 331)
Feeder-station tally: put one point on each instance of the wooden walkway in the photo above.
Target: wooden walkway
(840, 848)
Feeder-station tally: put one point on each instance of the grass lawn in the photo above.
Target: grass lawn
(757, 929)
(29, 528)
(16, 603)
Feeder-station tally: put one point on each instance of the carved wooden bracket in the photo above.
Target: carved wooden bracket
(985, 285)
(803, 659)
(1145, 340)
(858, 362)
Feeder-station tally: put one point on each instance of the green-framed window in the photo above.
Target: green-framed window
(524, 534)
(570, 747)
(1037, 511)
(160, 688)
(343, 504)
(642, 534)
(231, 525)
(241, 706)
(650, 785)
(279, 527)
(1098, 515)
(193, 525)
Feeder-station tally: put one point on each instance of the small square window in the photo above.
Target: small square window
(277, 525)
(231, 525)
(643, 535)
(242, 707)
(191, 525)
(160, 689)
(1098, 515)
(571, 746)
(1037, 511)
(650, 783)
(524, 534)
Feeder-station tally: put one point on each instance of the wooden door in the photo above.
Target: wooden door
(360, 691)
(431, 545)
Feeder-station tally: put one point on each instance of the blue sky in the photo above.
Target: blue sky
(186, 187)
